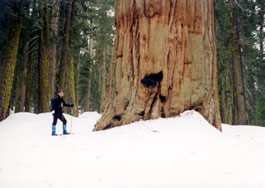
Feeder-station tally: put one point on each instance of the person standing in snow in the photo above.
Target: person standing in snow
(57, 104)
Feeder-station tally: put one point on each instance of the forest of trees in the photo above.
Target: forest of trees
(46, 45)
(240, 56)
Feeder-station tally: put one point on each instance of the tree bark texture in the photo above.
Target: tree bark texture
(102, 78)
(22, 90)
(52, 47)
(44, 89)
(9, 62)
(29, 83)
(77, 72)
(239, 110)
(66, 73)
(227, 99)
(164, 62)
(87, 107)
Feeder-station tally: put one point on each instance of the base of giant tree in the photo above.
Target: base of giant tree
(163, 63)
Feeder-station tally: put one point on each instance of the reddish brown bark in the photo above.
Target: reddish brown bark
(164, 62)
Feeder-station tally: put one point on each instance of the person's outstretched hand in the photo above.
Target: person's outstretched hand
(72, 105)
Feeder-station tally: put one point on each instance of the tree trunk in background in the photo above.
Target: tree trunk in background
(261, 38)
(29, 82)
(227, 101)
(87, 108)
(239, 110)
(21, 95)
(52, 47)
(77, 71)
(164, 62)
(31, 101)
(103, 80)
(40, 57)
(9, 61)
(100, 78)
(261, 75)
(222, 111)
(44, 89)
(66, 74)
(22, 91)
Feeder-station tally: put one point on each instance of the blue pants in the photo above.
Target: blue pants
(60, 117)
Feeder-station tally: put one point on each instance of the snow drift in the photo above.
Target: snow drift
(183, 152)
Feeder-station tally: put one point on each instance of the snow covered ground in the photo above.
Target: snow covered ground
(181, 152)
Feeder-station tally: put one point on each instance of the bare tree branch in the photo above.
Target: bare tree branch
(236, 2)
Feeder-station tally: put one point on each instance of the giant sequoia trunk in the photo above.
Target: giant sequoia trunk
(164, 62)
(9, 60)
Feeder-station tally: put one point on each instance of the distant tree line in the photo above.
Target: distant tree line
(241, 64)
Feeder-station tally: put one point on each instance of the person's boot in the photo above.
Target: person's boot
(54, 130)
(64, 130)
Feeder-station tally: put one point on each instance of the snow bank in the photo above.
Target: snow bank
(183, 152)
(90, 115)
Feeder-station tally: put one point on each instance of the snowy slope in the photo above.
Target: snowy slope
(181, 152)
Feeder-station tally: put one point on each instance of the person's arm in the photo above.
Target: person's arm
(67, 105)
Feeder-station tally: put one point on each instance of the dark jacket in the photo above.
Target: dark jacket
(59, 103)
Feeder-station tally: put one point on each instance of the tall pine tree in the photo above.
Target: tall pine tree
(10, 56)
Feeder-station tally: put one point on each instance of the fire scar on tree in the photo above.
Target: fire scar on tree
(163, 62)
